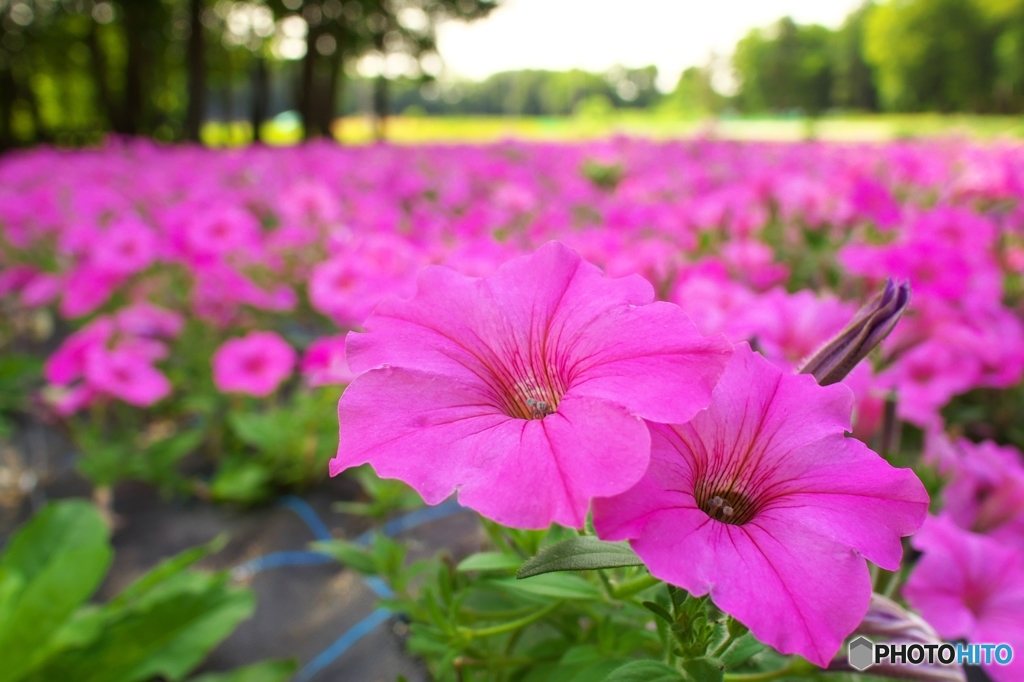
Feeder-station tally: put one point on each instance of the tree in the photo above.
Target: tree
(932, 55)
(853, 79)
(784, 67)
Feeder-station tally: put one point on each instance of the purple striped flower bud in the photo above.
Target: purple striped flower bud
(868, 328)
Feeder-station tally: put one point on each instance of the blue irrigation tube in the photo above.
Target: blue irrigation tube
(343, 644)
(379, 587)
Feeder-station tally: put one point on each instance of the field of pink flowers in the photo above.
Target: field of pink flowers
(194, 305)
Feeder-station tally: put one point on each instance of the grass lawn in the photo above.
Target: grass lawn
(860, 127)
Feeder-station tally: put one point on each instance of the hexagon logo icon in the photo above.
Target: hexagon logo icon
(862, 653)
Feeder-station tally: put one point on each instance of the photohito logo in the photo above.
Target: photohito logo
(863, 653)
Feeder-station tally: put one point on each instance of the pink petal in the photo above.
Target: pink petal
(523, 473)
(796, 590)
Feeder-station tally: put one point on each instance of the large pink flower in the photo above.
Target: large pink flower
(255, 364)
(523, 390)
(762, 502)
(971, 587)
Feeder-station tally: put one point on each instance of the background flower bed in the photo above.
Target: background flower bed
(158, 301)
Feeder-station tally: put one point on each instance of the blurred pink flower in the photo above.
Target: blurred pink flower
(324, 363)
(524, 390)
(223, 230)
(927, 376)
(125, 374)
(67, 363)
(763, 502)
(969, 586)
(255, 364)
(985, 492)
(126, 247)
(146, 319)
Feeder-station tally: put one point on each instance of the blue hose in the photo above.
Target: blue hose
(379, 587)
(343, 644)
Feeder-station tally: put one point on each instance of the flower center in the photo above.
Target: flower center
(254, 364)
(728, 506)
(531, 400)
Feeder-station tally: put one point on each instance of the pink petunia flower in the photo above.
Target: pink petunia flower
(324, 363)
(128, 246)
(762, 502)
(524, 390)
(972, 587)
(255, 364)
(986, 490)
(126, 375)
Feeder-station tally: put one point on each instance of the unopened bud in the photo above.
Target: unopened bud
(868, 328)
(887, 619)
(891, 624)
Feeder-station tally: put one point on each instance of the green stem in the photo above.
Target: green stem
(511, 625)
(797, 666)
(631, 587)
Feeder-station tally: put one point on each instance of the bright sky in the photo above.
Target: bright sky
(597, 34)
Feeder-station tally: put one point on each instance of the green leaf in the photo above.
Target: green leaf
(267, 671)
(579, 554)
(644, 671)
(489, 561)
(265, 431)
(557, 586)
(352, 555)
(246, 482)
(741, 650)
(164, 572)
(59, 558)
(702, 670)
(158, 464)
(166, 633)
(660, 612)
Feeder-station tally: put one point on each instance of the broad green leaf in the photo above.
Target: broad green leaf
(352, 555)
(489, 561)
(60, 557)
(702, 670)
(645, 671)
(579, 554)
(267, 671)
(556, 586)
(164, 571)
(166, 633)
(266, 431)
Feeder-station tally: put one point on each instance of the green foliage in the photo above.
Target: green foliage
(580, 554)
(385, 495)
(47, 572)
(932, 55)
(475, 620)
(163, 625)
(285, 446)
(108, 456)
(19, 375)
(784, 67)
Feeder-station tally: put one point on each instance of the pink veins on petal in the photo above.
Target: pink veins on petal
(764, 503)
(524, 390)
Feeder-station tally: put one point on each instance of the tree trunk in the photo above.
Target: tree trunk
(134, 116)
(196, 72)
(307, 95)
(101, 79)
(329, 103)
(6, 109)
(381, 107)
(260, 86)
